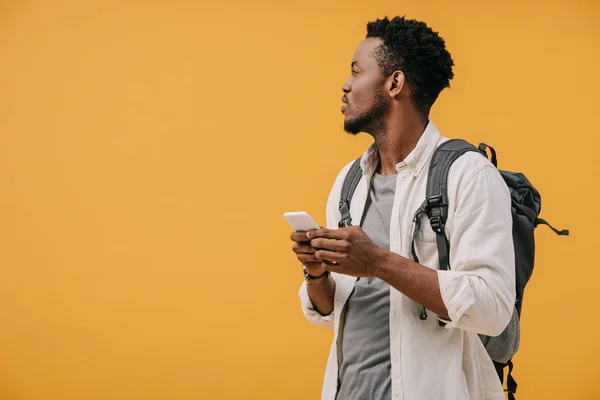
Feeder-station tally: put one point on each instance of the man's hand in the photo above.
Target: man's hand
(321, 291)
(306, 253)
(346, 251)
(355, 254)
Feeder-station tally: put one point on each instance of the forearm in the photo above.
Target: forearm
(414, 280)
(321, 293)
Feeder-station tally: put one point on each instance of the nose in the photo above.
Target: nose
(346, 88)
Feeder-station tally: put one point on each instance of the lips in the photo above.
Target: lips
(345, 101)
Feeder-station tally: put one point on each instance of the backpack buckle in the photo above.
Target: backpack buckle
(345, 211)
(435, 204)
(436, 223)
(435, 201)
(345, 222)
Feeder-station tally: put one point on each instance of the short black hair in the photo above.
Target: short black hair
(415, 49)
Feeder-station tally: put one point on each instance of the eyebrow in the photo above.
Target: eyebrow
(354, 63)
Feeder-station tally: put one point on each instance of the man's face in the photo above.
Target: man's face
(365, 102)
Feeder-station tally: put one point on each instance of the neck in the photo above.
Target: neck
(397, 138)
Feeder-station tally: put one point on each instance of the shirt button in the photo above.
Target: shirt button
(337, 303)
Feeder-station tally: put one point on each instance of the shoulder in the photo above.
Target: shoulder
(474, 175)
(340, 178)
(333, 213)
(469, 165)
(346, 170)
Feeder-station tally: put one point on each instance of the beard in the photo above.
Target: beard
(367, 119)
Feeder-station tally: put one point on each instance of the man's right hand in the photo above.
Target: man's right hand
(306, 253)
(320, 291)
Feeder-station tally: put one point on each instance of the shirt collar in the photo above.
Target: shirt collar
(416, 159)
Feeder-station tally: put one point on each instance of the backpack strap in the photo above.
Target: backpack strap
(511, 384)
(348, 188)
(436, 197)
(483, 148)
(435, 205)
(564, 232)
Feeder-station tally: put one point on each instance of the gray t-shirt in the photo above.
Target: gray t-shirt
(365, 371)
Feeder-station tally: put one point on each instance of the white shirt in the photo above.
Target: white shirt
(429, 362)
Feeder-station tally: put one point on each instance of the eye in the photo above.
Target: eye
(354, 72)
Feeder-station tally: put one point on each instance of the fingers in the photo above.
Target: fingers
(303, 247)
(330, 244)
(330, 256)
(338, 234)
(325, 233)
(305, 252)
(332, 267)
(299, 236)
(341, 233)
(307, 259)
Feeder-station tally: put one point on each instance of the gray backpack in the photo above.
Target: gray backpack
(526, 206)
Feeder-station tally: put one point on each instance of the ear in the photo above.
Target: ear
(397, 81)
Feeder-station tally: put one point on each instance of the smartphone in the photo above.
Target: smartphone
(300, 221)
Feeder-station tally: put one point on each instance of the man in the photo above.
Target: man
(362, 281)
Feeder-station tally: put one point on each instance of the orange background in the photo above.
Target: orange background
(148, 150)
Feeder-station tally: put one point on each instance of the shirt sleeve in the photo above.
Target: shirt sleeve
(312, 315)
(479, 289)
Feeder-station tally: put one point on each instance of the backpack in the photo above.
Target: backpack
(526, 206)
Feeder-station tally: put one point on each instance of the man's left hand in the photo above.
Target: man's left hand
(352, 251)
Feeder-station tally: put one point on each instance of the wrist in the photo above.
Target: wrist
(318, 283)
(385, 264)
(311, 277)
